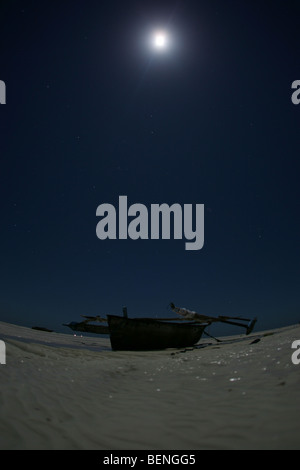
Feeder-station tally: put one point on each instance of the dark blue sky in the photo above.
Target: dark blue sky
(92, 114)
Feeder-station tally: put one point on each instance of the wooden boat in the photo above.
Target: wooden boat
(41, 328)
(146, 334)
(85, 327)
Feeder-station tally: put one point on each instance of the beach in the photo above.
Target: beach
(66, 391)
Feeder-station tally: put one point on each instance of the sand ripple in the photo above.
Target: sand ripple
(62, 392)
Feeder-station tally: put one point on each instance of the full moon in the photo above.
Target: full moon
(160, 40)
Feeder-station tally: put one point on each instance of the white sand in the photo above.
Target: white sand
(64, 392)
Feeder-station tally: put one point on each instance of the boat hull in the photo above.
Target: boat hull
(143, 334)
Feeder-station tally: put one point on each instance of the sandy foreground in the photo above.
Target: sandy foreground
(60, 391)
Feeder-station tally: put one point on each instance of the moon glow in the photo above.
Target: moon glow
(160, 40)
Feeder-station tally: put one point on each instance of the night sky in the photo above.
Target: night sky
(93, 113)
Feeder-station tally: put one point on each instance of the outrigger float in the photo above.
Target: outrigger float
(149, 334)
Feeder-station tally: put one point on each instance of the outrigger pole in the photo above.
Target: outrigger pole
(249, 327)
(197, 318)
